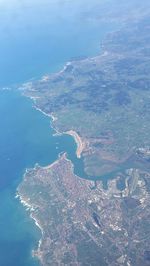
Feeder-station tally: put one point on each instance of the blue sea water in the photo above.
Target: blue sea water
(36, 37)
(25, 138)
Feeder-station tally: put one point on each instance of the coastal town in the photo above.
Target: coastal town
(83, 223)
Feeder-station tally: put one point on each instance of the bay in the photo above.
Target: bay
(25, 138)
(35, 38)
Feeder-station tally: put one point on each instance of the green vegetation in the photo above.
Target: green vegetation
(105, 99)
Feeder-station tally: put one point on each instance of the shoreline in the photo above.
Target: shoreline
(30, 208)
(80, 144)
(80, 147)
(52, 116)
(79, 150)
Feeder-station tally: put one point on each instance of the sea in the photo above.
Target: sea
(36, 38)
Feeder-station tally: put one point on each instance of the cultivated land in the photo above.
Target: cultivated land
(104, 102)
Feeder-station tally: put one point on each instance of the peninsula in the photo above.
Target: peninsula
(83, 224)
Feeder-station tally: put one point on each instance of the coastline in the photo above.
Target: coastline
(31, 208)
(52, 116)
(25, 202)
(80, 148)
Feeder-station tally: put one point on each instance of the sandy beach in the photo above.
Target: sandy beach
(79, 142)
